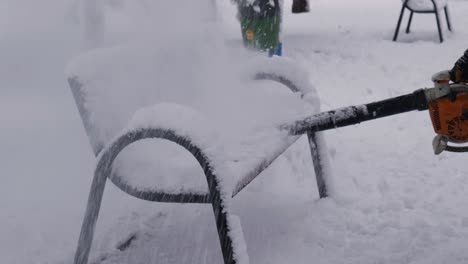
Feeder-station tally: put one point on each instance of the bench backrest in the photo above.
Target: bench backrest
(110, 85)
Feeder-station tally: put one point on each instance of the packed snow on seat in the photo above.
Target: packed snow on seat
(425, 5)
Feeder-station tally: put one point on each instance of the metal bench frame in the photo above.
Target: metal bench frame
(106, 156)
(412, 11)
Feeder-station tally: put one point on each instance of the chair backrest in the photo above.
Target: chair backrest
(110, 85)
(425, 5)
(179, 56)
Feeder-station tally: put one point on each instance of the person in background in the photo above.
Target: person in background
(260, 25)
(459, 72)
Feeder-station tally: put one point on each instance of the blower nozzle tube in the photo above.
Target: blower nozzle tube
(356, 114)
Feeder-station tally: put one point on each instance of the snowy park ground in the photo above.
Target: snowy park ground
(395, 202)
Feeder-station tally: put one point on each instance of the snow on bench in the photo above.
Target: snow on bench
(118, 83)
(425, 5)
(218, 107)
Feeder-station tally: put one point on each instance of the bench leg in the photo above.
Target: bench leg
(317, 160)
(221, 219)
(91, 215)
(220, 210)
(224, 223)
(449, 25)
(439, 28)
(395, 36)
(94, 204)
(409, 23)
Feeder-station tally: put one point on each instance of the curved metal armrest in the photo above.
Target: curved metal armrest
(155, 195)
(316, 143)
(279, 78)
(104, 171)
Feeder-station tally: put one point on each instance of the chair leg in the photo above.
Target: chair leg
(395, 36)
(409, 22)
(221, 218)
(449, 25)
(316, 145)
(439, 27)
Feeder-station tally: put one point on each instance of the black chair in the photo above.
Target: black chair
(424, 7)
(92, 90)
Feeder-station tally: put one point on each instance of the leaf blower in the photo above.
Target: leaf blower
(447, 104)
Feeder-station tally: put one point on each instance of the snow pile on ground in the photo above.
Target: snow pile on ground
(397, 202)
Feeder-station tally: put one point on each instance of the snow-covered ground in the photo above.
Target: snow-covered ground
(396, 201)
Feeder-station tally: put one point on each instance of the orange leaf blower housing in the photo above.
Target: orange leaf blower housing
(449, 117)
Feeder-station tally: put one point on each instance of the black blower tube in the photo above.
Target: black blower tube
(353, 115)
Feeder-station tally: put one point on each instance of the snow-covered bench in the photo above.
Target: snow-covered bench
(219, 108)
(424, 7)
